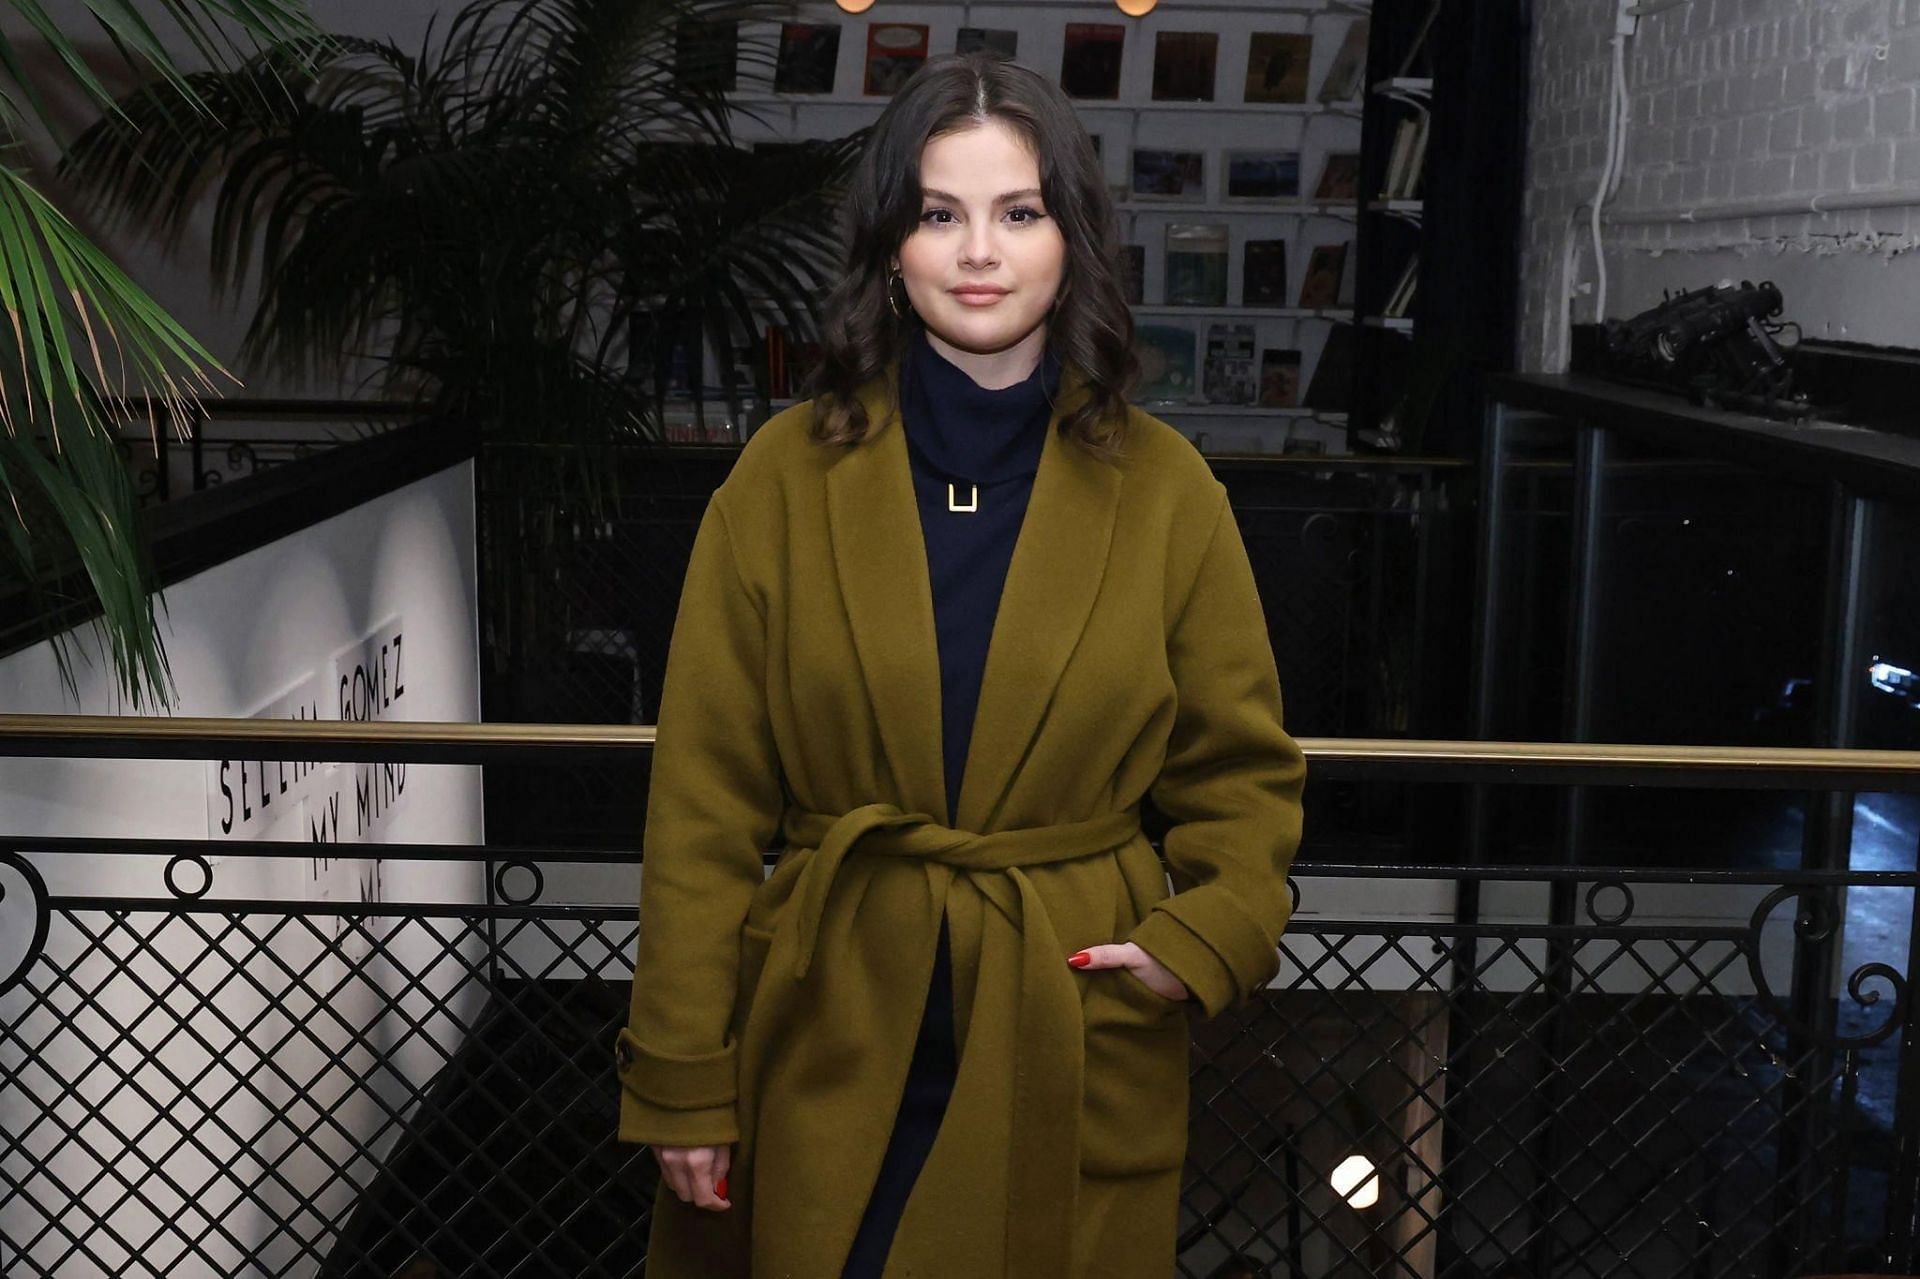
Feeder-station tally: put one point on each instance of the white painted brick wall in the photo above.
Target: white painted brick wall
(1731, 102)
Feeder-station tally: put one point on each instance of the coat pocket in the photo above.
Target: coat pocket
(1133, 1116)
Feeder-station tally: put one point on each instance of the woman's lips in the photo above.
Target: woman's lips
(979, 297)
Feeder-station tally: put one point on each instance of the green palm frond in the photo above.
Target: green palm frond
(52, 278)
(82, 343)
(490, 217)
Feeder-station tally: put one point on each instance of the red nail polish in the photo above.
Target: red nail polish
(720, 1187)
(1080, 960)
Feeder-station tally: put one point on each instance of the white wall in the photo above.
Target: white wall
(187, 1007)
(1732, 101)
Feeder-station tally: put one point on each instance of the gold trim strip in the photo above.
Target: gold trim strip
(1762, 759)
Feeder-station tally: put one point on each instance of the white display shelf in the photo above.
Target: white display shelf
(1290, 208)
(1397, 323)
(759, 97)
(1176, 310)
(1351, 109)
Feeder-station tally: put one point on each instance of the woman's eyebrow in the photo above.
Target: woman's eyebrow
(1025, 193)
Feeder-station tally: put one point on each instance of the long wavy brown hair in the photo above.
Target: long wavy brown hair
(1090, 326)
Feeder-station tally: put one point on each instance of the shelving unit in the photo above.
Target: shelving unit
(1312, 128)
(1459, 68)
(1390, 228)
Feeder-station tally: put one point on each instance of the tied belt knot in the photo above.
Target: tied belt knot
(884, 830)
(1049, 1046)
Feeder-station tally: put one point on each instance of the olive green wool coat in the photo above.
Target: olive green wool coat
(1128, 656)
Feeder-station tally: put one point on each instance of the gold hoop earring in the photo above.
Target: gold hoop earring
(898, 314)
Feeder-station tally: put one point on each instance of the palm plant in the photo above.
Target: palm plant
(506, 222)
(70, 533)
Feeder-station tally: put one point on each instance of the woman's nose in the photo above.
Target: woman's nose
(977, 252)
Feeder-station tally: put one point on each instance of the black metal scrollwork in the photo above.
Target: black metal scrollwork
(500, 882)
(1815, 922)
(1320, 534)
(1615, 918)
(37, 941)
(206, 876)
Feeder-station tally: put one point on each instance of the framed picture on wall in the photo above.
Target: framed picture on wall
(1349, 67)
(706, 54)
(1279, 378)
(895, 50)
(1325, 266)
(992, 40)
(1196, 263)
(1168, 175)
(1227, 374)
(1184, 64)
(1263, 175)
(1090, 59)
(1263, 273)
(1166, 359)
(1277, 64)
(1340, 177)
(808, 54)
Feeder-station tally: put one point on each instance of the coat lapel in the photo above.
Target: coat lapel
(879, 554)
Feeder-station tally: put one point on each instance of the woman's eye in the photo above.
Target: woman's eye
(1032, 215)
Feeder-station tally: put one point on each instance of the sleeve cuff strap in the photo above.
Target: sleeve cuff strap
(1181, 951)
(645, 1124)
(1245, 937)
(670, 1082)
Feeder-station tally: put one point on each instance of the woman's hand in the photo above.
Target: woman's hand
(698, 1174)
(1127, 955)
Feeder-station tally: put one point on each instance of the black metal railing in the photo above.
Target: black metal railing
(224, 440)
(1362, 564)
(1475, 1070)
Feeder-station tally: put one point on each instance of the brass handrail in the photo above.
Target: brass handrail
(1604, 763)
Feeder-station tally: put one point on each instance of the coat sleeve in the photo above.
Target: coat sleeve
(713, 806)
(1231, 786)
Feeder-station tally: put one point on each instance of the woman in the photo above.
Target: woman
(944, 626)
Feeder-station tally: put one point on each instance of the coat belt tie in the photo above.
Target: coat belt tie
(1049, 1048)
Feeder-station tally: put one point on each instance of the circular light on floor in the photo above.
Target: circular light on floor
(855, 6)
(1135, 8)
(1356, 1181)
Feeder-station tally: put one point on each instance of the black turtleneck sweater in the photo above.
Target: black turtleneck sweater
(962, 432)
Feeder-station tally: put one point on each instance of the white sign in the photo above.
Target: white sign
(327, 803)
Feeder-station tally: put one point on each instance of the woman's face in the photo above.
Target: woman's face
(982, 226)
